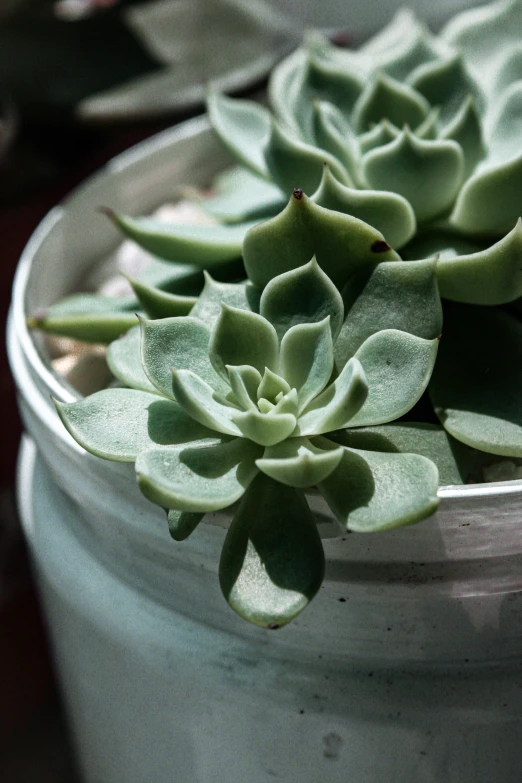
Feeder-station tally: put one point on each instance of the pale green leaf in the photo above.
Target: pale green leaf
(117, 424)
(337, 405)
(386, 97)
(302, 295)
(161, 304)
(240, 337)
(90, 318)
(272, 563)
(124, 360)
(244, 381)
(446, 84)
(183, 523)
(242, 296)
(466, 129)
(372, 491)
(239, 195)
(299, 463)
(476, 383)
(266, 429)
(197, 477)
(307, 359)
(398, 367)
(202, 403)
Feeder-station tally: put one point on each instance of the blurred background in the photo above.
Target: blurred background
(80, 81)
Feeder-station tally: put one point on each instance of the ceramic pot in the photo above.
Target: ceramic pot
(406, 668)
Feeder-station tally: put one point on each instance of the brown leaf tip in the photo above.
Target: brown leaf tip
(380, 246)
(273, 626)
(297, 193)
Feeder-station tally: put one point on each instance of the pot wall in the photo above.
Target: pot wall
(164, 682)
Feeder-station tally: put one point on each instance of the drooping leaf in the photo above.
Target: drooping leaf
(299, 463)
(242, 296)
(160, 304)
(307, 359)
(371, 491)
(203, 244)
(91, 318)
(117, 424)
(337, 405)
(179, 344)
(197, 477)
(302, 295)
(183, 523)
(272, 563)
(488, 277)
(398, 367)
(124, 360)
(426, 173)
(243, 127)
(476, 384)
(398, 295)
(387, 212)
(341, 244)
(240, 337)
(453, 459)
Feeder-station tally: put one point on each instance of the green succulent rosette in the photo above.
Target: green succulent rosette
(229, 404)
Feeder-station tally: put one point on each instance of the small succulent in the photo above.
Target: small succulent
(256, 405)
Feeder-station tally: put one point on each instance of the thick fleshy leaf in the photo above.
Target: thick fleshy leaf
(387, 212)
(88, 317)
(160, 304)
(289, 95)
(177, 344)
(338, 85)
(298, 463)
(504, 126)
(341, 244)
(201, 402)
(239, 195)
(466, 129)
(183, 523)
(272, 386)
(204, 244)
(399, 295)
(476, 384)
(334, 134)
(302, 295)
(371, 491)
(185, 279)
(427, 173)
(240, 337)
(267, 429)
(272, 563)
(198, 477)
(292, 163)
(244, 128)
(446, 84)
(441, 243)
(124, 360)
(398, 367)
(490, 202)
(489, 277)
(387, 97)
(307, 359)
(380, 134)
(453, 459)
(336, 406)
(245, 381)
(118, 424)
(242, 296)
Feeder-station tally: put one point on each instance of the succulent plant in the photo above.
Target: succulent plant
(305, 374)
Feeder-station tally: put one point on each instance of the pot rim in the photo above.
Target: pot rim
(22, 349)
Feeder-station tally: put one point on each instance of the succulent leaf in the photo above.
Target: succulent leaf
(299, 463)
(244, 381)
(488, 277)
(398, 295)
(266, 428)
(446, 83)
(183, 523)
(240, 337)
(302, 295)
(341, 244)
(88, 317)
(198, 477)
(389, 98)
(244, 127)
(238, 195)
(124, 360)
(334, 134)
(476, 383)
(306, 359)
(160, 304)
(426, 173)
(272, 563)
(397, 366)
(371, 491)
(117, 424)
(200, 402)
(179, 344)
(337, 405)
(388, 212)
(466, 129)
(242, 296)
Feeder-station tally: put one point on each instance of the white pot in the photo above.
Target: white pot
(406, 668)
